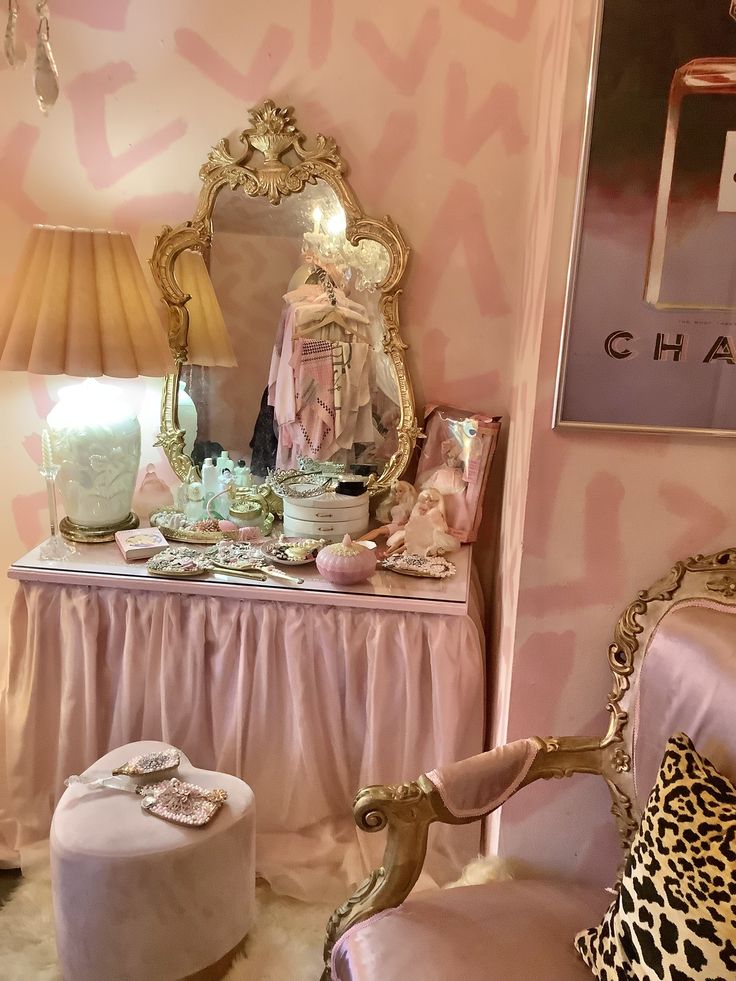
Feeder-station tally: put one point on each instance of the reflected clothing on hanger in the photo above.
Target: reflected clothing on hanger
(264, 442)
(320, 378)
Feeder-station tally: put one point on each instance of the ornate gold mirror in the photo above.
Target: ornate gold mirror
(283, 314)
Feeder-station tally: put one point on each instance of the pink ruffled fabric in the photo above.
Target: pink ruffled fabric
(306, 704)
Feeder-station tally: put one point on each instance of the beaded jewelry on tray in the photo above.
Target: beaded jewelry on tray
(297, 483)
(422, 566)
(236, 555)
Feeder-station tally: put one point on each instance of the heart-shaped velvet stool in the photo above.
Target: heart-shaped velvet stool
(138, 898)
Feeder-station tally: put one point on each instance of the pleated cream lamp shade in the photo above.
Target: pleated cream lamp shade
(208, 340)
(79, 305)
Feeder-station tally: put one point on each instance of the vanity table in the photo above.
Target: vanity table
(283, 300)
(306, 692)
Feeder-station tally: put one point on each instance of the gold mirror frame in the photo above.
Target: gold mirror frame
(272, 135)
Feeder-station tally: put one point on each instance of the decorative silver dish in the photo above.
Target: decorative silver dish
(292, 551)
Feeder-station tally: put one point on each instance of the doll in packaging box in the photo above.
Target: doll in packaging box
(456, 460)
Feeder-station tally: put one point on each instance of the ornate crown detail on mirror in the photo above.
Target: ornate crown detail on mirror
(283, 314)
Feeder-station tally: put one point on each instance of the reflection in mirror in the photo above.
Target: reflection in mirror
(301, 308)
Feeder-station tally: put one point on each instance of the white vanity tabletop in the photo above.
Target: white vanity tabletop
(103, 565)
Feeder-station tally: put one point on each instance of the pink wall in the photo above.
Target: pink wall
(606, 514)
(433, 138)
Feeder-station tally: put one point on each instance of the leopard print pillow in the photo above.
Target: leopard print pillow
(675, 916)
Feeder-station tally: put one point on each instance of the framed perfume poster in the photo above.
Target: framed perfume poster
(649, 339)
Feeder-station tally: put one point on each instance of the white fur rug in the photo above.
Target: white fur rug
(285, 943)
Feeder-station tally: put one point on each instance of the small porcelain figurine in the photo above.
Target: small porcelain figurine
(426, 531)
(393, 512)
(152, 494)
(195, 509)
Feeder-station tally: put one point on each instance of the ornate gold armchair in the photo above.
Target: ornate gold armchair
(673, 660)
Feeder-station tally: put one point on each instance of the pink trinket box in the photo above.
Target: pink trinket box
(140, 543)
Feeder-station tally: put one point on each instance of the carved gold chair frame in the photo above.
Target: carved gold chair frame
(260, 170)
(409, 809)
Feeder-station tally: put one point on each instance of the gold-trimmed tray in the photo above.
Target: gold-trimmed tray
(187, 536)
(194, 537)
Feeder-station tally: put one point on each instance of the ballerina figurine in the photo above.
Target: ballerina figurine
(394, 511)
(426, 532)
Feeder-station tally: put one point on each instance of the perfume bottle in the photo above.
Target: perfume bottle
(224, 466)
(195, 509)
(690, 261)
(210, 479)
(241, 474)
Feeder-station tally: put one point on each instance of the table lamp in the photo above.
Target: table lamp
(79, 305)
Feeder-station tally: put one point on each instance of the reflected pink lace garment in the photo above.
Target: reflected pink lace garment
(319, 385)
(482, 783)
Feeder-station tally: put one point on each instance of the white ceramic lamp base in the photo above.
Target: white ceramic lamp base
(96, 441)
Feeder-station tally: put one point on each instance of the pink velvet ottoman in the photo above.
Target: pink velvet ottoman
(137, 898)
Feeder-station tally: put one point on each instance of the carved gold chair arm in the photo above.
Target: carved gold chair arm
(408, 810)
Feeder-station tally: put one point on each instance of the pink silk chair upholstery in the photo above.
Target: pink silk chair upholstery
(473, 934)
(475, 786)
(674, 665)
(687, 684)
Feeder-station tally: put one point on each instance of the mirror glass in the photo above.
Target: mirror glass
(301, 308)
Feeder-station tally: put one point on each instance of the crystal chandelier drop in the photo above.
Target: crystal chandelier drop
(45, 72)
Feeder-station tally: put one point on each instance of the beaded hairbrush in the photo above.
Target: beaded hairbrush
(181, 802)
(150, 766)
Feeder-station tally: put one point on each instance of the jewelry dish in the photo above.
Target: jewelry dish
(235, 555)
(292, 551)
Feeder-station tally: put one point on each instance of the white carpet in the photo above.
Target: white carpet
(284, 945)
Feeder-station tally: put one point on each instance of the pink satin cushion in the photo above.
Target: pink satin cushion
(482, 783)
(137, 898)
(687, 684)
(503, 931)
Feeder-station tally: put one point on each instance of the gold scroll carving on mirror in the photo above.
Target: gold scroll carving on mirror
(283, 302)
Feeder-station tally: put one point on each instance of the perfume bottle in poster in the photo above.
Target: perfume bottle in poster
(691, 262)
